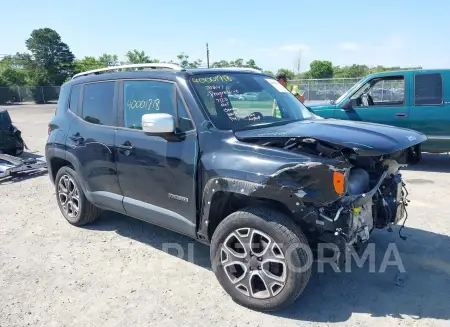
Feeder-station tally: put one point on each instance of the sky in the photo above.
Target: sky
(276, 34)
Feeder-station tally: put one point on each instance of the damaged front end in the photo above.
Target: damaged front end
(371, 193)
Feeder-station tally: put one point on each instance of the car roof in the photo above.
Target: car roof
(164, 74)
(406, 72)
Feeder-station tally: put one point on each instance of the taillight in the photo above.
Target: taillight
(49, 130)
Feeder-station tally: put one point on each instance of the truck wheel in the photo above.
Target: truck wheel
(71, 200)
(261, 258)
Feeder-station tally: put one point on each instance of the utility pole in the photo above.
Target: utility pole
(207, 55)
(298, 61)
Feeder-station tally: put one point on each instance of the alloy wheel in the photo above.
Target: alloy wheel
(253, 263)
(69, 196)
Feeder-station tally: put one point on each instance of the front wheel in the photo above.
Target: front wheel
(261, 258)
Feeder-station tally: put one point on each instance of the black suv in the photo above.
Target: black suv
(179, 149)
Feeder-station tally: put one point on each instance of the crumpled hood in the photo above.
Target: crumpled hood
(367, 139)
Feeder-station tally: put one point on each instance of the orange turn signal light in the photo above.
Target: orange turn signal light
(338, 182)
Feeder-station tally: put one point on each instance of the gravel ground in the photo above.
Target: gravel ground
(117, 272)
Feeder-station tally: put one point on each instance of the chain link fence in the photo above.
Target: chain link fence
(324, 89)
(313, 90)
(25, 94)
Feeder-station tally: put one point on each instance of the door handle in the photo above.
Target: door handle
(76, 138)
(126, 147)
(401, 115)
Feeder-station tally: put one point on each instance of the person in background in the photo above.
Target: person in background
(295, 91)
(282, 79)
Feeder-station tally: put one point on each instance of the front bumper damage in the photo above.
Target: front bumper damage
(351, 219)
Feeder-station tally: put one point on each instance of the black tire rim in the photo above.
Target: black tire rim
(253, 263)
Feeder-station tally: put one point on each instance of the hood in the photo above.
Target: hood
(367, 139)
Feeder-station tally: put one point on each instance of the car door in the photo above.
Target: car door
(430, 112)
(90, 141)
(382, 100)
(157, 173)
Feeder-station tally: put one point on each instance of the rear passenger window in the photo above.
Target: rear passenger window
(74, 98)
(146, 97)
(98, 103)
(428, 89)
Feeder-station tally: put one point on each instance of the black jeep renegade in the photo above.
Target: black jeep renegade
(231, 158)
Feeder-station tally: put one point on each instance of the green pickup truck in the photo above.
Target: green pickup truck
(415, 99)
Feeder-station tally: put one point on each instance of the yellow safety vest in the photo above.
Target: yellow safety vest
(295, 90)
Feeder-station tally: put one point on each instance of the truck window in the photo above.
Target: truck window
(428, 90)
(381, 91)
(98, 103)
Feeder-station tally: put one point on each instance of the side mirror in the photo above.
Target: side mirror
(158, 123)
(347, 106)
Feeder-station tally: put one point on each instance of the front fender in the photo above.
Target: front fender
(296, 186)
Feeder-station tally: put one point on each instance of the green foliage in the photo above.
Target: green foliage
(51, 54)
(107, 60)
(321, 69)
(87, 63)
(137, 57)
(236, 63)
(183, 61)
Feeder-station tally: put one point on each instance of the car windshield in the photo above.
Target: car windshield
(236, 101)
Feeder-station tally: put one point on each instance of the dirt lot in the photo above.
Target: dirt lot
(117, 273)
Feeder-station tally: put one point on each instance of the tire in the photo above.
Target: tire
(286, 240)
(87, 212)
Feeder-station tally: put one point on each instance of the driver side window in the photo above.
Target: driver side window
(384, 91)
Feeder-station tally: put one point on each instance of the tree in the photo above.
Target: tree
(138, 57)
(51, 54)
(321, 69)
(236, 63)
(220, 64)
(183, 61)
(107, 60)
(12, 77)
(88, 63)
(252, 64)
(350, 71)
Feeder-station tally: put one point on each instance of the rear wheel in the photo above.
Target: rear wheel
(71, 200)
(261, 258)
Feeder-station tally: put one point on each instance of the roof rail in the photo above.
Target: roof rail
(130, 66)
(243, 69)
